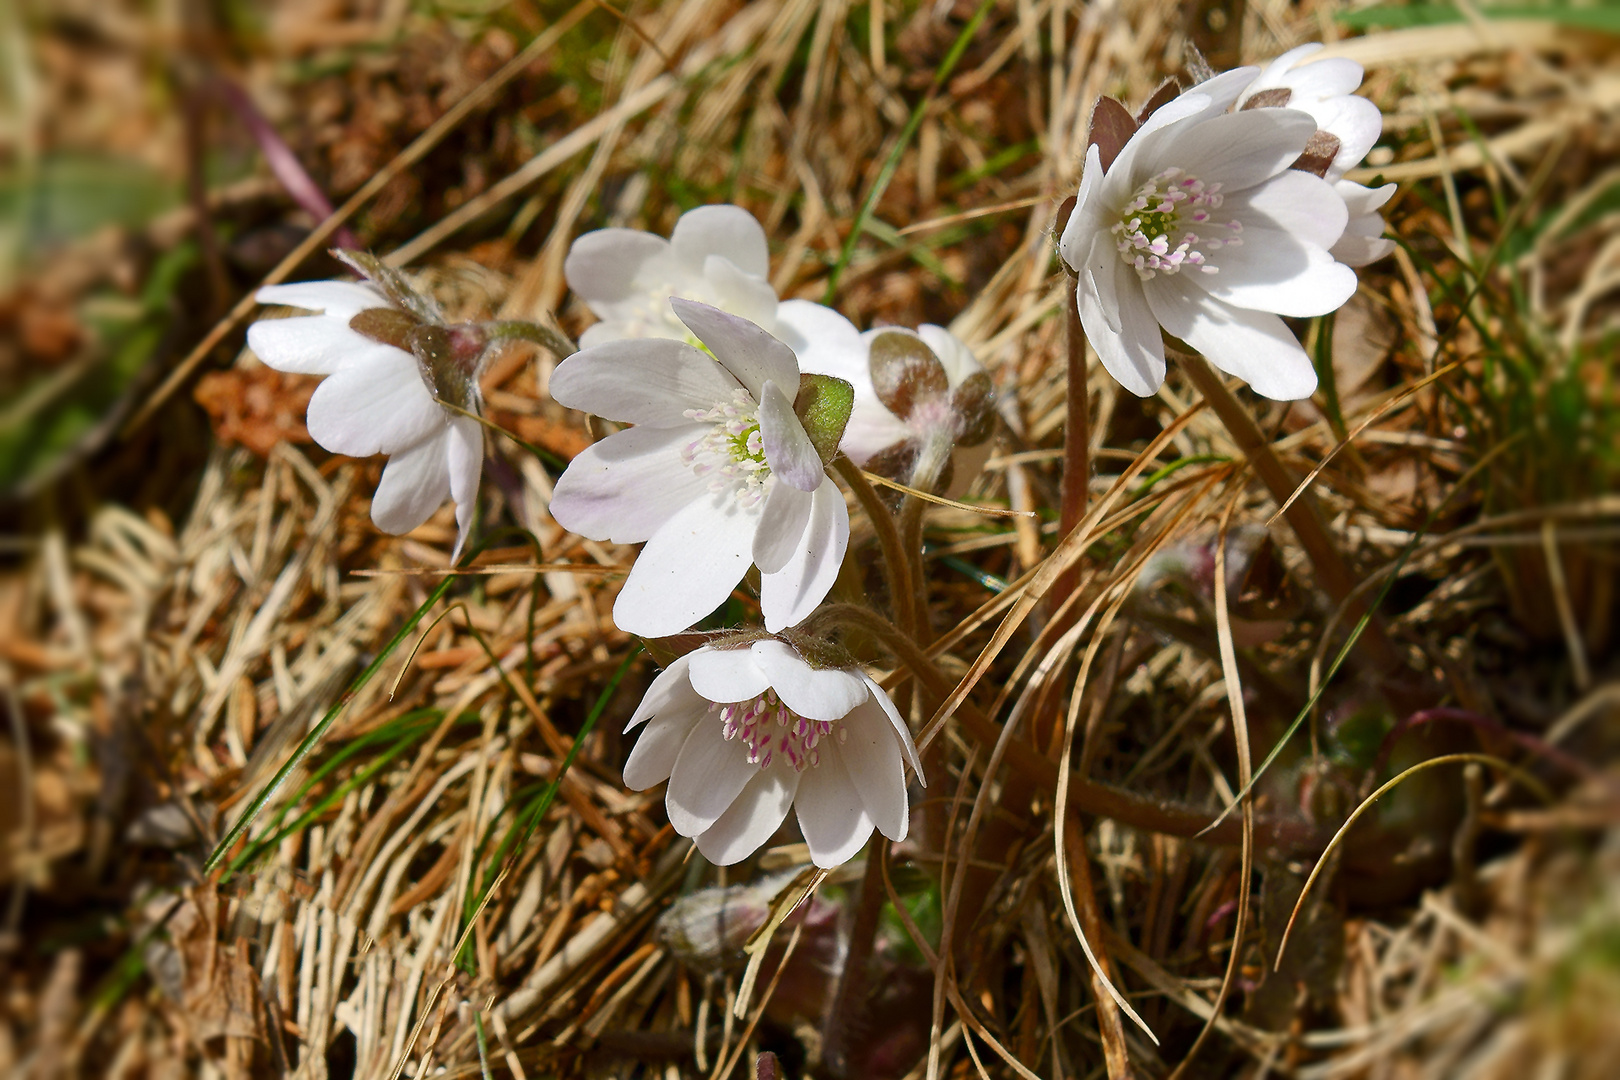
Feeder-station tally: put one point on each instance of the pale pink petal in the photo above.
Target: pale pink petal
(781, 526)
(414, 484)
(628, 485)
(901, 731)
(753, 818)
(747, 351)
(824, 342)
(871, 753)
(726, 675)
(832, 815)
(602, 266)
(814, 693)
(739, 292)
(709, 773)
(642, 381)
(788, 449)
(465, 443)
(339, 299)
(1253, 345)
(1307, 208)
(1274, 272)
(688, 568)
(788, 596)
(1131, 350)
(377, 404)
(307, 344)
(670, 690)
(1235, 150)
(724, 230)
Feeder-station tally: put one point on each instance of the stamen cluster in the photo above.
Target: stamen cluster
(732, 450)
(768, 728)
(1151, 235)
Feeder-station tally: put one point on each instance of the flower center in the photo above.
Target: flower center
(731, 451)
(769, 729)
(1169, 224)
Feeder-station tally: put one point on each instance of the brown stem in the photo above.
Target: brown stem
(851, 994)
(1076, 438)
(1377, 651)
(896, 566)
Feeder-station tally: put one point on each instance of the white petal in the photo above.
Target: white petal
(414, 484)
(747, 351)
(903, 733)
(1225, 89)
(1167, 121)
(307, 344)
(788, 596)
(628, 485)
(1235, 150)
(340, 299)
(642, 381)
(1360, 201)
(1297, 203)
(670, 690)
(814, 693)
(688, 568)
(1081, 231)
(832, 815)
(1134, 352)
(872, 755)
(782, 522)
(1361, 243)
(465, 443)
(1273, 272)
(788, 449)
(709, 773)
(954, 354)
(722, 230)
(1253, 345)
(824, 342)
(739, 292)
(377, 404)
(727, 675)
(652, 759)
(754, 816)
(601, 266)
(1356, 123)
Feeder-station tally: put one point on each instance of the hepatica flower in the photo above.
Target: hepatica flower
(718, 472)
(1197, 222)
(917, 393)
(392, 364)
(715, 255)
(743, 733)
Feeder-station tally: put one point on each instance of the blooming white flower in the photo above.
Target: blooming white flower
(741, 734)
(1326, 90)
(933, 387)
(717, 473)
(379, 398)
(715, 255)
(1200, 225)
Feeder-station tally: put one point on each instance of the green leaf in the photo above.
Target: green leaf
(823, 405)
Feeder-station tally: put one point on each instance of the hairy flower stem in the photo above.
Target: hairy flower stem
(931, 461)
(1076, 439)
(896, 566)
(1377, 651)
(1085, 796)
(536, 333)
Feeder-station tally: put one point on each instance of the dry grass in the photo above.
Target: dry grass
(403, 907)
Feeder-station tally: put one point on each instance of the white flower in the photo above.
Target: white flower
(1326, 90)
(716, 255)
(376, 400)
(1200, 226)
(944, 392)
(717, 473)
(741, 734)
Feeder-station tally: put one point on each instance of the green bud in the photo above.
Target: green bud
(823, 406)
(390, 326)
(394, 284)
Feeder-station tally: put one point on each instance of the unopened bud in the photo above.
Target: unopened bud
(905, 372)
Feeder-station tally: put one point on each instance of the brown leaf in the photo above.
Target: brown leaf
(1275, 98)
(212, 984)
(1167, 92)
(256, 407)
(1319, 154)
(905, 372)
